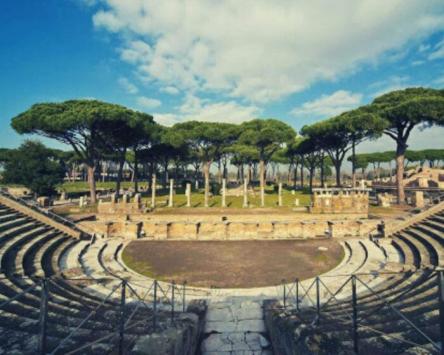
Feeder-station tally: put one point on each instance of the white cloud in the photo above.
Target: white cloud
(128, 86)
(170, 90)
(136, 52)
(423, 48)
(262, 50)
(438, 51)
(439, 80)
(329, 105)
(147, 102)
(392, 83)
(194, 108)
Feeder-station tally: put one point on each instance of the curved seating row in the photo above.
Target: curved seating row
(400, 312)
(31, 252)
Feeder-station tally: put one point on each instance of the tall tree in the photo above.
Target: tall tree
(402, 111)
(205, 139)
(34, 166)
(266, 136)
(85, 125)
(134, 132)
(339, 134)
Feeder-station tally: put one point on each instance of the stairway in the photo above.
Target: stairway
(235, 326)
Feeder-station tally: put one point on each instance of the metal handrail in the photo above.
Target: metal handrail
(399, 313)
(93, 312)
(356, 321)
(17, 296)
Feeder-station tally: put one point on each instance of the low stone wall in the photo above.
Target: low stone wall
(181, 339)
(232, 230)
(228, 230)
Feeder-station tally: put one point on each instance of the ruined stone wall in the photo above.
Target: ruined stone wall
(291, 335)
(234, 230)
(353, 201)
(182, 339)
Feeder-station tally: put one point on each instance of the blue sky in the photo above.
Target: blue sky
(227, 60)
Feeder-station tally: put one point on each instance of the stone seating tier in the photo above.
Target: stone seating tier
(31, 248)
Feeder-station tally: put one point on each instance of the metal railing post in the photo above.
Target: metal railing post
(122, 317)
(183, 296)
(43, 316)
(173, 285)
(155, 306)
(355, 316)
(318, 300)
(441, 307)
(297, 295)
(285, 293)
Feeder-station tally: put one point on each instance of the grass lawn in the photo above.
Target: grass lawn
(197, 197)
(271, 199)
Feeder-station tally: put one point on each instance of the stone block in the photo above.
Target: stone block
(43, 201)
(161, 231)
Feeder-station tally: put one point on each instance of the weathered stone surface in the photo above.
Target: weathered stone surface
(336, 200)
(235, 326)
(181, 340)
(290, 335)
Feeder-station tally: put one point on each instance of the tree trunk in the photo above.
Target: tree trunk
(119, 174)
(206, 169)
(219, 172)
(353, 165)
(311, 171)
(92, 183)
(391, 171)
(196, 172)
(295, 177)
(165, 175)
(400, 152)
(136, 173)
(225, 170)
(302, 174)
(322, 172)
(262, 181)
(290, 167)
(338, 173)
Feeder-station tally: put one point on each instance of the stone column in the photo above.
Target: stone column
(188, 194)
(196, 185)
(419, 199)
(280, 195)
(170, 200)
(245, 193)
(153, 191)
(224, 190)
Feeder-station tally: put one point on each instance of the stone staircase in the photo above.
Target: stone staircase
(235, 326)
